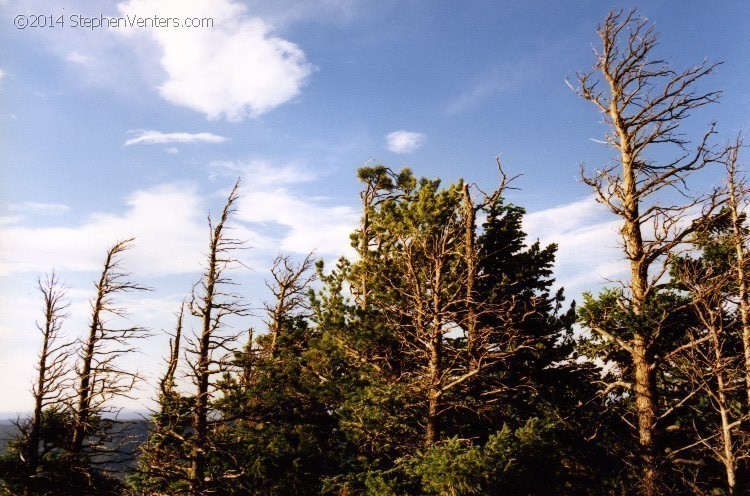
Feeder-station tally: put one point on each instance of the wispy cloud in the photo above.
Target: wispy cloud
(167, 221)
(77, 58)
(404, 141)
(235, 69)
(588, 254)
(39, 208)
(149, 137)
(273, 203)
(260, 173)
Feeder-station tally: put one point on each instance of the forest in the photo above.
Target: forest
(443, 359)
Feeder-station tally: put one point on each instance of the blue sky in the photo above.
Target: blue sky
(112, 132)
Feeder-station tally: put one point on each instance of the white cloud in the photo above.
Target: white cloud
(235, 69)
(168, 222)
(77, 58)
(172, 150)
(587, 237)
(297, 223)
(259, 173)
(310, 223)
(404, 141)
(149, 137)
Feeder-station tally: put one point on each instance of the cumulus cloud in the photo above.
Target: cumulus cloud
(235, 69)
(149, 137)
(404, 141)
(311, 224)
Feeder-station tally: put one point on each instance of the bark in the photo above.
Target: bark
(645, 402)
(435, 368)
(644, 102)
(470, 260)
(51, 368)
(83, 410)
(734, 203)
(211, 303)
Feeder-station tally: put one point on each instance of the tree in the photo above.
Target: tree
(34, 449)
(644, 103)
(714, 366)
(100, 378)
(282, 437)
(163, 462)
(736, 197)
(290, 287)
(96, 448)
(210, 350)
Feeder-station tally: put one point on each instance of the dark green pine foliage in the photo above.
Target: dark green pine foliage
(362, 361)
(537, 407)
(163, 461)
(279, 436)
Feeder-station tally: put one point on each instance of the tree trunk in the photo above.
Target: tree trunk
(434, 393)
(645, 403)
(739, 246)
(36, 422)
(84, 392)
(200, 422)
(643, 362)
(470, 259)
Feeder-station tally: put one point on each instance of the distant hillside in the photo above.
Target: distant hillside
(127, 434)
(7, 431)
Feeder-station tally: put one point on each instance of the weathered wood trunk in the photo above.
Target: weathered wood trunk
(83, 411)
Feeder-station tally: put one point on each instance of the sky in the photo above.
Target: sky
(109, 131)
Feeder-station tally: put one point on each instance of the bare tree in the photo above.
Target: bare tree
(167, 382)
(52, 388)
(737, 198)
(715, 368)
(100, 377)
(212, 302)
(474, 308)
(290, 286)
(643, 102)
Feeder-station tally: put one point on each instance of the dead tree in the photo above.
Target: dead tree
(100, 377)
(52, 388)
(212, 301)
(643, 102)
(714, 367)
(290, 286)
(474, 308)
(737, 197)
